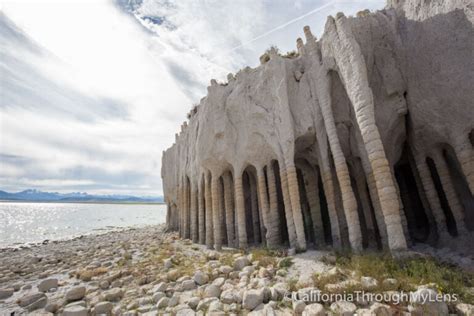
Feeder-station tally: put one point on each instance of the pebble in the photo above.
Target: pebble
(47, 284)
(251, 299)
(6, 293)
(75, 310)
(75, 293)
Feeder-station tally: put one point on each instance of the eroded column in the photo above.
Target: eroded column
(432, 197)
(450, 193)
(264, 207)
(290, 225)
(209, 218)
(229, 210)
(240, 209)
(273, 228)
(312, 194)
(254, 207)
(465, 156)
(201, 214)
(193, 213)
(216, 212)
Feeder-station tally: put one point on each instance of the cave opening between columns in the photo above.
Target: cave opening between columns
(417, 219)
(460, 186)
(202, 198)
(471, 137)
(316, 221)
(450, 221)
(187, 210)
(223, 219)
(252, 212)
(275, 168)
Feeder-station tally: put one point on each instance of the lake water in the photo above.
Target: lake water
(22, 223)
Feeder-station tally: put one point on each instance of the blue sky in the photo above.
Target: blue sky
(92, 92)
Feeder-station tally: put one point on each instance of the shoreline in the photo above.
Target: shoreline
(147, 271)
(84, 202)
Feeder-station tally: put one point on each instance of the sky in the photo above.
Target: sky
(92, 92)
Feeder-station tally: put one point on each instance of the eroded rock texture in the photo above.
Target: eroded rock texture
(365, 139)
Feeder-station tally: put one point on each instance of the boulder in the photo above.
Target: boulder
(75, 293)
(47, 284)
(252, 298)
(201, 278)
(75, 310)
(314, 309)
(343, 308)
(212, 291)
(6, 293)
(113, 295)
(163, 302)
(465, 309)
(241, 262)
(424, 301)
(103, 308)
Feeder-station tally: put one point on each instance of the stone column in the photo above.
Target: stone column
(296, 206)
(255, 211)
(312, 194)
(229, 210)
(201, 214)
(216, 212)
(264, 207)
(365, 203)
(377, 210)
(240, 209)
(273, 228)
(432, 197)
(353, 72)
(288, 209)
(209, 218)
(193, 213)
(450, 192)
(465, 156)
(186, 209)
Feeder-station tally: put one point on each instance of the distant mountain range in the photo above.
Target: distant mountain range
(40, 196)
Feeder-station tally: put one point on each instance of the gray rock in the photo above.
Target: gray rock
(75, 293)
(424, 301)
(241, 262)
(194, 302)
(212, 291)
(75, 310)
(219, 282)
(185, 312)
(314, 309)
(168, 264)
(103, 308)
(465, 309)
(113, 295)
(163, 302)
(104, 285)
(201, 278)
(30, 299)
(252, 298)
(204, 303)
(343, 308)
(6, 293)
(298, 307)
(368, 283)
(47, 284)
(158, 296)
(188, 285)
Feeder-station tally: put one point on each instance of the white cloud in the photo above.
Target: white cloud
(95, 101)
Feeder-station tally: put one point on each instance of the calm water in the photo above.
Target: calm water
(34, 222)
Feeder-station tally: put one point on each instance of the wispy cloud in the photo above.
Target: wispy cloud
(92, 92)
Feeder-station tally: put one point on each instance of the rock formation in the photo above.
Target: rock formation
(363, 139)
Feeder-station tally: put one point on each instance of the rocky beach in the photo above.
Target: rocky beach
(149, 271)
